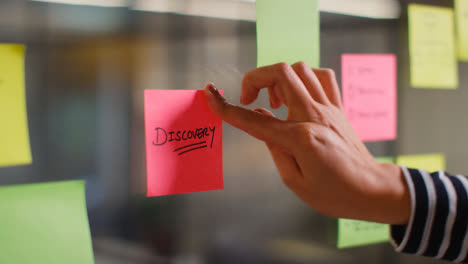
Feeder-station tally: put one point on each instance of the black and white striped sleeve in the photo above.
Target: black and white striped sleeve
(439, 217)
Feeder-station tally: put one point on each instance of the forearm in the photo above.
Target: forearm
(439, 216)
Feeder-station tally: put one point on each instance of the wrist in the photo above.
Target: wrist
(393, 195)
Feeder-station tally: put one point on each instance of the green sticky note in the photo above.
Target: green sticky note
(385, 159)
(14, 135)
(429, 162)
(433, 55)
(288, 31)
(352, 233)
(461, 7)
(44, 223)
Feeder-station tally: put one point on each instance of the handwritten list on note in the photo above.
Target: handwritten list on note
(45, 223)
(352, 233)
(433, 56)
(461, 11)
(370, 95)
(14, 135)
(288, 31)
(183, 143)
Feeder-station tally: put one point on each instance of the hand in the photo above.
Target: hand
(316, 151)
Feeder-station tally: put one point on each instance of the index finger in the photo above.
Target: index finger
(264, 127)
(284, 81)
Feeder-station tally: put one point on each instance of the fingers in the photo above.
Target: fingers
(285, 163)
(283, 82)
(330, 86)
(275, 101)
(311, 82)
(263, 127)
(298, 87)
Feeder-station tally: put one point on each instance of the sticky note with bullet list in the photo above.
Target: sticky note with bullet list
(433, 56)
(461, 11)
(353, 233)
(370, 95)
(429, 162)
(45, 223)
(183, 143)
(14, 135)
(288, 31)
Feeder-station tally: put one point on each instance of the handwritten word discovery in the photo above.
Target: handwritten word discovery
(162, 137)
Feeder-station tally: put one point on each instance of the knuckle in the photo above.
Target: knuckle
(330, 73)
(286, 72)
(303, 133)
(311, 137)
(303, 65)
(283, 67)
(246, 79)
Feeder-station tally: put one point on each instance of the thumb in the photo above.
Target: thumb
(285, 162)
(263, 127)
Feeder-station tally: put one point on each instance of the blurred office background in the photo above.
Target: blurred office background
(87, 67)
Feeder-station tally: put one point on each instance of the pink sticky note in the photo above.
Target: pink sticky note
(183, 143)
(370, 95)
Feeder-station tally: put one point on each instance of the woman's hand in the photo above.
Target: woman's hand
(316, 151)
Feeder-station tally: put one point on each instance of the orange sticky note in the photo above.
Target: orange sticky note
(183, 143)
(370, 95)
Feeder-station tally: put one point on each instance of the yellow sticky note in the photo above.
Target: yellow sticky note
(433, 55)
(461, 8)
(429, 162)
(14, 135)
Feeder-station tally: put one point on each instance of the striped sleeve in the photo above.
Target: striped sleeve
(439, 216)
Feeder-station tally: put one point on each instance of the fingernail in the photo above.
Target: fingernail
(215, 91)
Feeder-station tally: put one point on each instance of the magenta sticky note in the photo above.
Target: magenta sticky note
(369, 83)
(183, 143)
